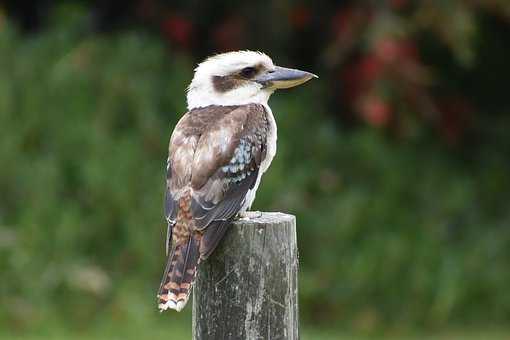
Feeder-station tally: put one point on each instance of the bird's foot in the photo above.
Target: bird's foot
(249, 215)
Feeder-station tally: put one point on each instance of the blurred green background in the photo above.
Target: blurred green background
(396, 161)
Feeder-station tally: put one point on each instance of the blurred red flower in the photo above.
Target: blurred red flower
(347, 20)
(375, 110)
(228, 36)
(391, 50)
(398, 4)
(300, 17)
(359, 77)
(177, 29)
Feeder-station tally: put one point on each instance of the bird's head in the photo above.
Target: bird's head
(242, 77)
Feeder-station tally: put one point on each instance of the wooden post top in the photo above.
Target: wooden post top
(265, 218)
(247, 289)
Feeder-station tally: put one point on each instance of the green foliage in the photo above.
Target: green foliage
(390, 235)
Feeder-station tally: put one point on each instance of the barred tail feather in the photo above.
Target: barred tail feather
(179, 275)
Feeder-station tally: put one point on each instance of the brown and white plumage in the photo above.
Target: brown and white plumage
(218, 152)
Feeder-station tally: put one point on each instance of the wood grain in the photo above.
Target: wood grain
(247, 289)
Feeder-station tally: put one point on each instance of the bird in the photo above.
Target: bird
(218, 151)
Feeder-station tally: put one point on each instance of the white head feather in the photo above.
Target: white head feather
(201, 91)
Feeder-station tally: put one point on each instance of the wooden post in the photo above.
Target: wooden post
(247, 289)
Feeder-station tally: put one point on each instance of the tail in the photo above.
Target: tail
(179, 275)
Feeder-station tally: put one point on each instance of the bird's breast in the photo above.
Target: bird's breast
(270, 141)
(266, 162)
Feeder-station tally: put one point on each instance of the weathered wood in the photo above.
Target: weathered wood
(247, 289)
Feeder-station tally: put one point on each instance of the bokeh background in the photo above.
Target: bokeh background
(396, 161)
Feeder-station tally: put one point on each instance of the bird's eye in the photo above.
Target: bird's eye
(248, 72)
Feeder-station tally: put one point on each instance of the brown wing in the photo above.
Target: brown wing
(183, 144)
(225, 168)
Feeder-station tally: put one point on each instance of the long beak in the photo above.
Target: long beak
(284, 78)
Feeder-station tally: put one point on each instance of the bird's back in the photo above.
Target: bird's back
(215, 154)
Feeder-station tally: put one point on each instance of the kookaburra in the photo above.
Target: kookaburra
(218, 152)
